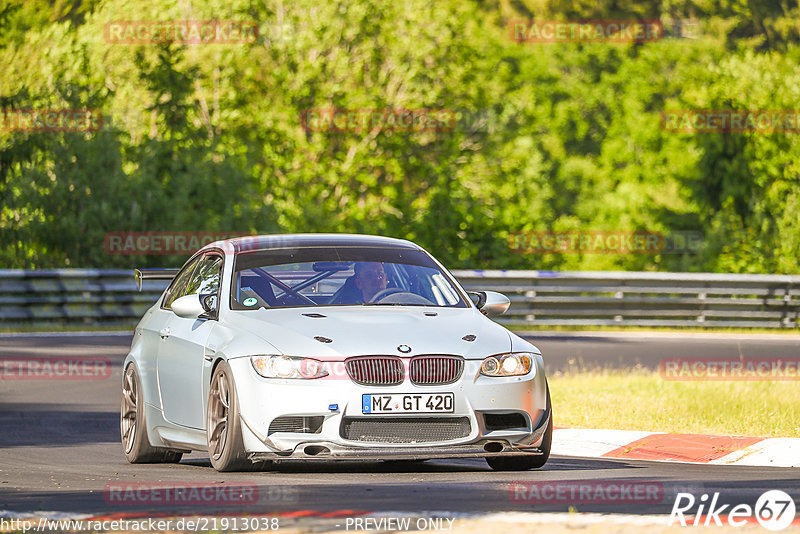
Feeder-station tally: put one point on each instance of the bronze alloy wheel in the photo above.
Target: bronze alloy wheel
(223, 426)
(218, 408)
(128, 416)
(132, 426)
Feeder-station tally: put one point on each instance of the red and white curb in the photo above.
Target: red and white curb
(691, 448)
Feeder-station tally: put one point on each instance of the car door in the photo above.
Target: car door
(181, 354)
(154, 324)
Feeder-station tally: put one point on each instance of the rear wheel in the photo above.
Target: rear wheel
(523, 463)
(223, 425)
(133, 428)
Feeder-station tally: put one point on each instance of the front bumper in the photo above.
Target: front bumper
(337, 400)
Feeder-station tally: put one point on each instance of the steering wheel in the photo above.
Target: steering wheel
(380, 295)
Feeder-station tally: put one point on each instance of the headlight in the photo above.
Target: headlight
(288, 367)
(512, 364)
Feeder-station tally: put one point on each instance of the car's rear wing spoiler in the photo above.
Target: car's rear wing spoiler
(153, 274)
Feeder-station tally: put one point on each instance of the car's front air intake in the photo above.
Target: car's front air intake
(306, 425)
(405, 429)
(375, 370)
(504, 421)
(434, 370)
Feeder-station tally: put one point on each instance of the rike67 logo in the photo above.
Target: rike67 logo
(774, 510)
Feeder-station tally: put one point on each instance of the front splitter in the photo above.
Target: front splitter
(323, 450)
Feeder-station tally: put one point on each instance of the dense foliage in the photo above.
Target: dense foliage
(552, 137)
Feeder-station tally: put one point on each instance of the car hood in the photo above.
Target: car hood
(354, 331)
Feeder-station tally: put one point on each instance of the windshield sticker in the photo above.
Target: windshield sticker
(250, 301)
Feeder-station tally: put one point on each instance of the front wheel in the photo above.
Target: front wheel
(223, 425)
(133, 428)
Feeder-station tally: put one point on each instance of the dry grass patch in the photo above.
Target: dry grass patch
(641, 400)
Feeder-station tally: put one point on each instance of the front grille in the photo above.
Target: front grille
(435, 370)
(306, 425)
(405, 429)
(375, 370)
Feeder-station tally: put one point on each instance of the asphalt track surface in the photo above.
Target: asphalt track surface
(59, 448)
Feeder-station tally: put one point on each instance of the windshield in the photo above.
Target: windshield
(340, 276)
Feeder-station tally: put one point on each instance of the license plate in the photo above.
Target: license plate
(407, 403)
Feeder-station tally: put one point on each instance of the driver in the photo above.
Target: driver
(370, 278)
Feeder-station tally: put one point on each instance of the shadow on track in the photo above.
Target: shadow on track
(430, 466)
(50, 425)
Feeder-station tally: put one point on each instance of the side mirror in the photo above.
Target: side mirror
(490, 302)
(188, 307)
(209, 302)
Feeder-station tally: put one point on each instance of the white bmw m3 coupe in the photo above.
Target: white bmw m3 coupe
(319, 346)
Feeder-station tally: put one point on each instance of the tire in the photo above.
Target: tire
(223, 424)
(133, 428)
(523, 463)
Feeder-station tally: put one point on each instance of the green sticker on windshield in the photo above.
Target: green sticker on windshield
(251, 301)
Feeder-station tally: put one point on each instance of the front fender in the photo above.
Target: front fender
(229, 343)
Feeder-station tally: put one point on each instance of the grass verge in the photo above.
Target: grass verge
(641, 400)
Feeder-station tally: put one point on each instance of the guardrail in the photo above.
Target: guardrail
(608, 298)
(73, 296)
(554, 298)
